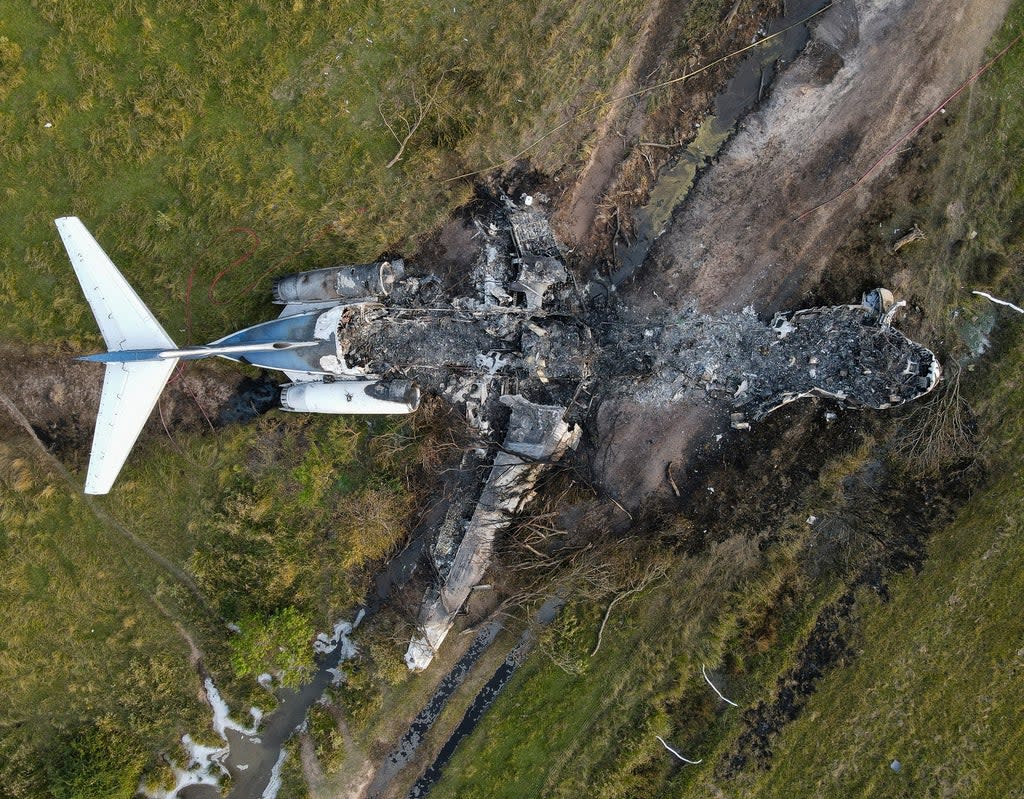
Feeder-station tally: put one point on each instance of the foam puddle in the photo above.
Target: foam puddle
(208, 765)
(342, 630)
(270, 792)
(205, 765)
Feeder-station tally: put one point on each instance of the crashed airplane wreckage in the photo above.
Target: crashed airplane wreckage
(526, 358)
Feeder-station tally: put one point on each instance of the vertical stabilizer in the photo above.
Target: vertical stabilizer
(130, 390)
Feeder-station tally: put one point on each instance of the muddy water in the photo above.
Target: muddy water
(743, 91)
(251, 759)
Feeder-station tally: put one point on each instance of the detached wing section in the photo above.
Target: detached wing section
(125, 321)
(130, 390)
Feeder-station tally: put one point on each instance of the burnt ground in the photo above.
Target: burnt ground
(736, 242)
(871, 69)
(884, 528)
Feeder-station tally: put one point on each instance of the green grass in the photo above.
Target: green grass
(283, 521)
(554, 733)
(171, 126)
(937, 680)
(244, 140)
(86, 650)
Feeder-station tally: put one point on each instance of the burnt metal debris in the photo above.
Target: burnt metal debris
(533, 352)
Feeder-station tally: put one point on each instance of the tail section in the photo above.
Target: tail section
(130, 391)
(130, 388)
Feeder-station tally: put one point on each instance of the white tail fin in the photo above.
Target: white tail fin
(130, 390)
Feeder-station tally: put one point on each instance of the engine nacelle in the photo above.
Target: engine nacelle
(372, 397)
(339, 283)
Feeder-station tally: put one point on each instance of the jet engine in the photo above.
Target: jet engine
(352, 396)
(339, 283)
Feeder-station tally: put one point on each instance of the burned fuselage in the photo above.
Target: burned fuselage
(531, 354)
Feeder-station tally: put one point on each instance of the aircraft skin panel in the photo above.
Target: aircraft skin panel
(124, 320)
(130, 391)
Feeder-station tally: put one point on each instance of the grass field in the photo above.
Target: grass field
(87, 651)
(936, 683)
(252, 138)
(167, 128)
(932, 676)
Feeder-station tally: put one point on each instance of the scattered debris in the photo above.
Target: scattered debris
(531, 355)
(537, 434)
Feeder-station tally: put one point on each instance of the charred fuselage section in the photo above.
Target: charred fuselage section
(531, 354)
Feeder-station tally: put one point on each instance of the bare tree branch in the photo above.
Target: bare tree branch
(422, 111)
(654, 572)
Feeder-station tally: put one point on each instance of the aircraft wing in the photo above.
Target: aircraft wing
(124, 320)
(130, 390)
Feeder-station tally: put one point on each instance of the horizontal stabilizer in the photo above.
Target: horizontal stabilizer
(130, 391)
(125, 321)
(130, 387)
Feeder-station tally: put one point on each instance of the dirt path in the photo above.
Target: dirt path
(623, 119)
(59, 397)
(871, 70)
(736, 241)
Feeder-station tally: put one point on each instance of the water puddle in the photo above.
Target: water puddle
(743, 91)
(254, 762)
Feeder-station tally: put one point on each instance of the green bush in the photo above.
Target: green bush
(280, 644)
(95, 762)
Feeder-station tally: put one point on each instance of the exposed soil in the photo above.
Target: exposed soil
(632, 141)
(735, 241)
(623, 119)
(894, 519)
(60, 396)
(872, 69)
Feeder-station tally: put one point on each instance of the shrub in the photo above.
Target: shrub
(280, 644)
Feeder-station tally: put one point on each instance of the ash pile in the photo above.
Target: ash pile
(850, 354)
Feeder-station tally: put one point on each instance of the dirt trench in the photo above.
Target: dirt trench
(60, 396)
